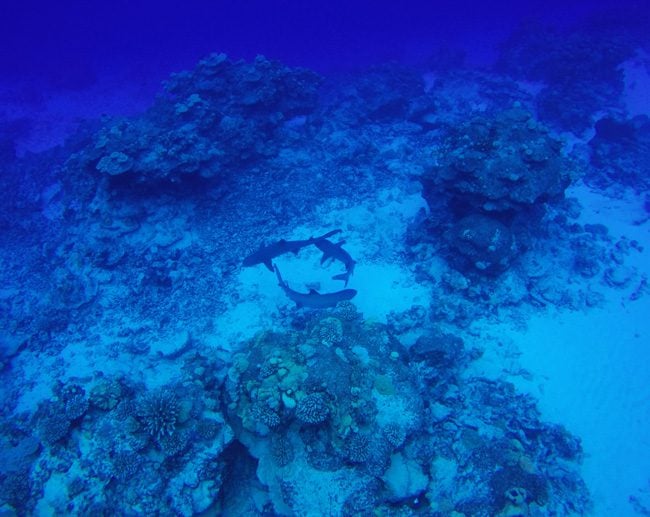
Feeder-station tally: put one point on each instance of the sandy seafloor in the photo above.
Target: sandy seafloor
(587, 368)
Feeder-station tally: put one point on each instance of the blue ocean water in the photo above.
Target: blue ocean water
(344, 258)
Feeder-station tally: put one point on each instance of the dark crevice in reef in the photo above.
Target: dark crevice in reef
(239, 479)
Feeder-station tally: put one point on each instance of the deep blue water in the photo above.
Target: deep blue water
(69, 43)
(349, 258)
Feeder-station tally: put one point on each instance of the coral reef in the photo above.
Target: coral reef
(620, 154)
(501, 165)
(580, 69)
(374, 405)
(312, 409)
(482, 243)
(488, 192)
(158, 413)
(145, 374)
(220, 116)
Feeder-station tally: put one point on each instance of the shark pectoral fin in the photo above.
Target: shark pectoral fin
(324, 258)
(313, 291)
(269, 265)
(328, 234)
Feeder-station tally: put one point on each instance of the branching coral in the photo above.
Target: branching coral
(158, 413)
(312, 409)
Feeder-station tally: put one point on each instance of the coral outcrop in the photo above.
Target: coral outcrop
(221, 116)
(353, 413)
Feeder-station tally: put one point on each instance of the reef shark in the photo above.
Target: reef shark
(333, 251)
(313, 299)
(266, 254)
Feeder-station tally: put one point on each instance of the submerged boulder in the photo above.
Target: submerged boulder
(502, 164)
(482, 243)
(438, 349)
(219, 117)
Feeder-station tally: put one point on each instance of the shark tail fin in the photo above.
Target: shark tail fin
(277, 273)
(343, 276)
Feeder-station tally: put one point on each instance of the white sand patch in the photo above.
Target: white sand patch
(37, 374)
(55, 496)
(591, 374)
(156, 375)
(388, 287)
(376, 228)
(589, 371)
(374, 235)
(619, 215)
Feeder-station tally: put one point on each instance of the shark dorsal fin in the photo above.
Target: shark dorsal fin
(340, 243)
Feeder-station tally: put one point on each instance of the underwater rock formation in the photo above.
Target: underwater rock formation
(488, 192)
(621, 154)
(354, 411)
(219, 117)
(481, 243)
(502, 165)
(579, 69)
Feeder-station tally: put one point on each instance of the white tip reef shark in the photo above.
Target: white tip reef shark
(313, 299)
(333, 251)
(266, 254)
